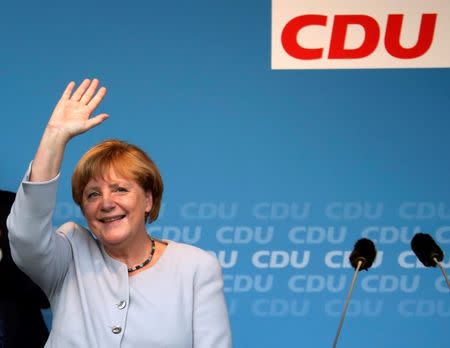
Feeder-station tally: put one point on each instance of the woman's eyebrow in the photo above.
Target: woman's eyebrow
(91, 187)
(120, 183)
(113, 184)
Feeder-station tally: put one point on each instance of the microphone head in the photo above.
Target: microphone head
(364, 250)
(426, 249)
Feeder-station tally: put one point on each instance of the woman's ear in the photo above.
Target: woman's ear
(148, 201)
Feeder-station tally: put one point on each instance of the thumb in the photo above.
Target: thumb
(95, 121)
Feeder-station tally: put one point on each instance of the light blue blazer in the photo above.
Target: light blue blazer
(179, 302)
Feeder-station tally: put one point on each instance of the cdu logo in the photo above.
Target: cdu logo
(326, 34)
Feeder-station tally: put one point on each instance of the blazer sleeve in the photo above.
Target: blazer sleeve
(42, 253)
(211, 326)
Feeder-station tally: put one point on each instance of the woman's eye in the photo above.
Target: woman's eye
(92, 194)
(121, 189)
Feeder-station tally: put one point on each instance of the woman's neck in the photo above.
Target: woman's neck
(133, 253)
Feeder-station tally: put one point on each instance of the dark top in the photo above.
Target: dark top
(21, 321)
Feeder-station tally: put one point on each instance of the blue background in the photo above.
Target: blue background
(191, 83)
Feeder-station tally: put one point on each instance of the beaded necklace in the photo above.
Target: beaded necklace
(147, 261)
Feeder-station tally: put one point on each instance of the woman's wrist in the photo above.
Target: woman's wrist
(55, 136)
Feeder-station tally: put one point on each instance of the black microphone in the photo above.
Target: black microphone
(362, 257)
(426, 249)
(428, 252)
(364, 251)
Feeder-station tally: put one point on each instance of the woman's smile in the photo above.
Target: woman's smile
(111, 219)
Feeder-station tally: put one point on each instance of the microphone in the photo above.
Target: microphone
(362, 257)
(364, 251)
(428, 252)
(426, 249)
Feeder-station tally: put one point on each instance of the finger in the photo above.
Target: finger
(68, 91)
(97, 99)
(80, 90)
(95, 121)
(87, 96)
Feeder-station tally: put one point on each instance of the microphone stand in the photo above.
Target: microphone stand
(442, 270)
(360, 263)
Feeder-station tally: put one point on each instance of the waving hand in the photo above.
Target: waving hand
(72, 114)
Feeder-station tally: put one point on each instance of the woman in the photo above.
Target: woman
(120, 288)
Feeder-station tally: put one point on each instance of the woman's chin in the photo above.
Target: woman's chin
(113, 237)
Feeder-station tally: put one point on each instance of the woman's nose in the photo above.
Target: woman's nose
(107, 202)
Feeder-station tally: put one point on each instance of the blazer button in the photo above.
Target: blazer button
(116, 330)
(122, 304)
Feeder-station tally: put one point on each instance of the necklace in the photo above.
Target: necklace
(147, 261)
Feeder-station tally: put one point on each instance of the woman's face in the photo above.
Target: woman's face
(115, 209)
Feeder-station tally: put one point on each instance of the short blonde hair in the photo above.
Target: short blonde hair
(126, 160)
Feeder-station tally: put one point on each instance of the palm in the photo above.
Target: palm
(72, 114)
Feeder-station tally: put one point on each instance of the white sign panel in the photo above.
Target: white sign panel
(349, 34)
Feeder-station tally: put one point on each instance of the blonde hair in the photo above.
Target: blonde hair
(126, 160)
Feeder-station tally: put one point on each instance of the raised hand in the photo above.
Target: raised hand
(72, 114)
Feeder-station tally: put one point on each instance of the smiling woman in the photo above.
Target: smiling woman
(118, 188)
(126, 160)
(112, 285)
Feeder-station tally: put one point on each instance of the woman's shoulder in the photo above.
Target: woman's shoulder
(187, 249)
(190, 254)
(75, 232)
